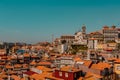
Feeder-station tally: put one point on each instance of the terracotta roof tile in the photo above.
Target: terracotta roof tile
(97, 76)
(87, 62)
(8, 58)
(25, 65)
(34, 56)
(37, 77)
(90, 76)
(43, 76)
(29, 73)
(15, 77)
(113, 59)
(2, 63)
(17, 66)
(100, 66)
(44, 63)
(117, 61)
(77, 59)
(69, 68)
(43, 68)
(81, 78)
(13, 57)
(11, 72)
(1, 79)
(26, 55)
(8, 66)
(33, 63)
(4, 57)
(3, 76)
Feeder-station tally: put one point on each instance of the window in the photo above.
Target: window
(118, 67)
(66, 74)
(60, 73)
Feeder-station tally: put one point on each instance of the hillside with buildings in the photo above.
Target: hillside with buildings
(81, 56)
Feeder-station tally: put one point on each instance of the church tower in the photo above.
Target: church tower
(84, 29)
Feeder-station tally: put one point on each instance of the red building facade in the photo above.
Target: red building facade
(67, 75)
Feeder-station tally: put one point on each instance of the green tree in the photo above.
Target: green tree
(77, 48)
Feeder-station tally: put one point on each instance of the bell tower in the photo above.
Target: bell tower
(84, 29)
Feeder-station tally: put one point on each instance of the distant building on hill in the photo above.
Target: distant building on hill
(110, 33)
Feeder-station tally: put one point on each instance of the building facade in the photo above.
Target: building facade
(110, 33)
(79, 38)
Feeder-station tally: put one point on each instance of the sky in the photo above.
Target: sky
(33, 21)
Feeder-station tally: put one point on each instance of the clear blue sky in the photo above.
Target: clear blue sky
(36, 20)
